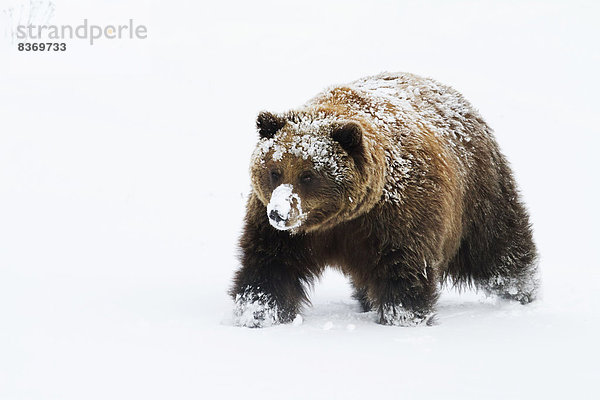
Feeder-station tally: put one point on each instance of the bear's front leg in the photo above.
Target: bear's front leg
(266, 293)
(269, 288)
(405, 291)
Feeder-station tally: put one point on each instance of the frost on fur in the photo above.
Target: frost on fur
(396, 315)
(310, 144)
(254, 310)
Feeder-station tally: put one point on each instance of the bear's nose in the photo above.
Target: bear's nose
(275, 216)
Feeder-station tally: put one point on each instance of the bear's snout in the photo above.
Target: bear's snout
(284, 210)
(276, 217)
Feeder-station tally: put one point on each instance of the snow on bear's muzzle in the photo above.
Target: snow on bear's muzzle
(284, 209)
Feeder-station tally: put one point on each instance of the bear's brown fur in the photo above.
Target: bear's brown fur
(397, 181)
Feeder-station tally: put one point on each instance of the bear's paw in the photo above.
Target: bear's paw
(523, 289)
(396, 315)
(255, 310)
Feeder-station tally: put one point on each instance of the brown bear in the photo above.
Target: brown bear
(397, 181)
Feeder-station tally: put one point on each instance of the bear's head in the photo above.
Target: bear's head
(310, 170)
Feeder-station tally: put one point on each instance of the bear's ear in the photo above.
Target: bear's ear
(348, 135)
(268, 124)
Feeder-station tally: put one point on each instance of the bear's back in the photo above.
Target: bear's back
(388, 99)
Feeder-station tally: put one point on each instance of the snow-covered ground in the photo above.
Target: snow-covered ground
(124, 171)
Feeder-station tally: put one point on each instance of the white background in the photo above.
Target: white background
(124, 172)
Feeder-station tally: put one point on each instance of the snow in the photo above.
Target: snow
(288, 206)
(298, 320)
(123, 181)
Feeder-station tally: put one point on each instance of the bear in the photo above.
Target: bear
(395, 180)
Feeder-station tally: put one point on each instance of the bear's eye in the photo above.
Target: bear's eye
(275, 176)
(306, 177)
